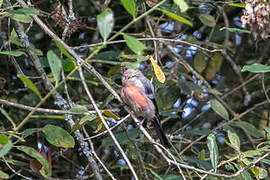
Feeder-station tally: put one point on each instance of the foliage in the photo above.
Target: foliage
(60, 80)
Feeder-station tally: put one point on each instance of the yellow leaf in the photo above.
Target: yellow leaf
(111, 114)
(158, 71)
(99, 125)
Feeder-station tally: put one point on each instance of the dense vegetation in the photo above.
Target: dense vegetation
(61, 114)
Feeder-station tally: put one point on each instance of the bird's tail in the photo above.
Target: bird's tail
(158, 127)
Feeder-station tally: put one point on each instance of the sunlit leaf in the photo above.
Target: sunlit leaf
(58, 137)
(219, 109)
(105, 22)
(176, 17)
(256, 68)
(25, 11)
(111, 114)
(207, 20)
(182, 4)
(241, 5)
(157, 70)
(29, 84)
(55, 65)
(3, 139)
(213, 149)
(234, 140)
(13, 53)
(130, 6)
(46, 170)
(135, 45)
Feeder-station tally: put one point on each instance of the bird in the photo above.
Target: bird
(138, 93)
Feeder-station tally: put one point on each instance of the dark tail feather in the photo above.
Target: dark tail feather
(158, 127)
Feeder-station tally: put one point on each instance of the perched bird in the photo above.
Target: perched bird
(139, 94)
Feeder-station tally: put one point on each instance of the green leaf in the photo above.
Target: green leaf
(3, 174)
(182, 4)
(13, 53)
(135, 45)
(200, 62)
(3, 139)
(267, 129)
(28, 132)
(213, 149)
(234, 140)
(25, 11)
(80, 123)
(241, 5)
(123, 137)
(58, 137)
(171, 177)
(250, 129)
(16, 162)
(63, 50)
(78, 109)
(105, 22)
(235, 30)
(207, 20)
(254, 153)
(130, 6)
(8, 117)
(256, 68)
(5, 149)
(176, 17)
(29, 84)
(55, 65)
(21, 18)
(35, 154)
(219, 109)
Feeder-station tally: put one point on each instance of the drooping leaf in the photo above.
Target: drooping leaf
(207, 20)
(58, 137)
(234, 140)
(213, 149)
(256, 68)
(55, 65)
(111, 114)
(182, 4)
(214, 66)
(157, 70)
(135, 45)
(63, 50)
(105, 22)
(130, 6)
(176, 17)
(3, 174)
(78, 109)
(219, 109)
(13, 53)
(84, 120)
(46, 170)
(199, 62)
(8, 117)
(28, 83)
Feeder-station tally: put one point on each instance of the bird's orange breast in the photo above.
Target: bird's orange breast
(134, 93)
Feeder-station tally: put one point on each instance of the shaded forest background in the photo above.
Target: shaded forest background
(61, 114)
